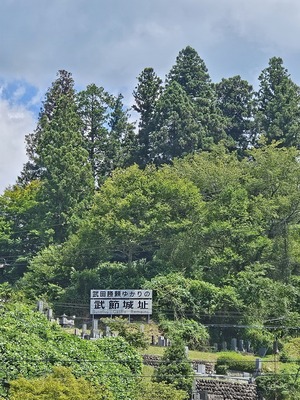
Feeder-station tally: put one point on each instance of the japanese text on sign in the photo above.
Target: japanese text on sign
(120, 302)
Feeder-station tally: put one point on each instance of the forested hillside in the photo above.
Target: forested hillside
(198, 200)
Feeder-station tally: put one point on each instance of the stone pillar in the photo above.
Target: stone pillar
(258, 365)
(248, 346)
(224, 346)
(95, 330)
(40, 306)
(161, 340)
(233, 344)
(241, 345)
(76, 332)
(201, 368)
(186, 350)
(50, 314)
(63, 321)
(84, 329)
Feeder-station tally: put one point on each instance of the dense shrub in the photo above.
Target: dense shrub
(235, 362)
(30, 346)
(192, 333)
(61, 384)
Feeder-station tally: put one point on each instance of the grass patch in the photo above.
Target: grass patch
(147, 372)
(269, 364)
(193, 354)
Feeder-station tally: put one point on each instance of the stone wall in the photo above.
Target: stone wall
(216, 389)
(155, 360)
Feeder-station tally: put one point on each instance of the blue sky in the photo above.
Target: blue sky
(109, 43)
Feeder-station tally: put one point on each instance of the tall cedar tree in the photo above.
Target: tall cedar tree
(175, 368)
(191, 73)
(94, 106)
(107, 134)
(122, 142)
(278, 117)
(146, 95)
(235, 98)
(177, 131)
(62, 86)
(58, 151)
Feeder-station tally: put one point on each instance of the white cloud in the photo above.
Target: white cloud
(110, 42)
(15, 122)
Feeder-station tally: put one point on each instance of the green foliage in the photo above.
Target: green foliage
(227, 235)
(105, 276)
(215, 234)
(290, 350)
(284, 385)
(130, 331)
(177, 297)
(191, 73)
(105, 130)
(235, 98)
(175, 368)
(21, 235)
(46, 275)
(235, 362)
(94, 107)
(158, 391)
(146, 95)
(133, 212)
(31, 346)
(172, 295)
(177, 131)
(278, 116)
(57, 149)
(221, 369)
(188, 331)
(267, 301)
(273, 183)
(60, 385)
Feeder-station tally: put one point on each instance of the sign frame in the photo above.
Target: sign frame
(121, 302)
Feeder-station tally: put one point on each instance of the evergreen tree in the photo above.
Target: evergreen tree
(94, 105)
(123, 142)
(62, 86)
(191, 73)
(176, 129)
(107, 133)
(146, 95)
(235, 98)
(175, 368)
(278, 117)
(57, 149)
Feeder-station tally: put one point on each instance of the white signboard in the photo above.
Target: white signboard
(121, 302)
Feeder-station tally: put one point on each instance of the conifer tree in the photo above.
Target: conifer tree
(175, 368)
(94, 106)
(176, 130)
(146, 95)
(278, 117)
(123, 141)
(235, 98)
(108, 136)
(56, 148)
(191, 73)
